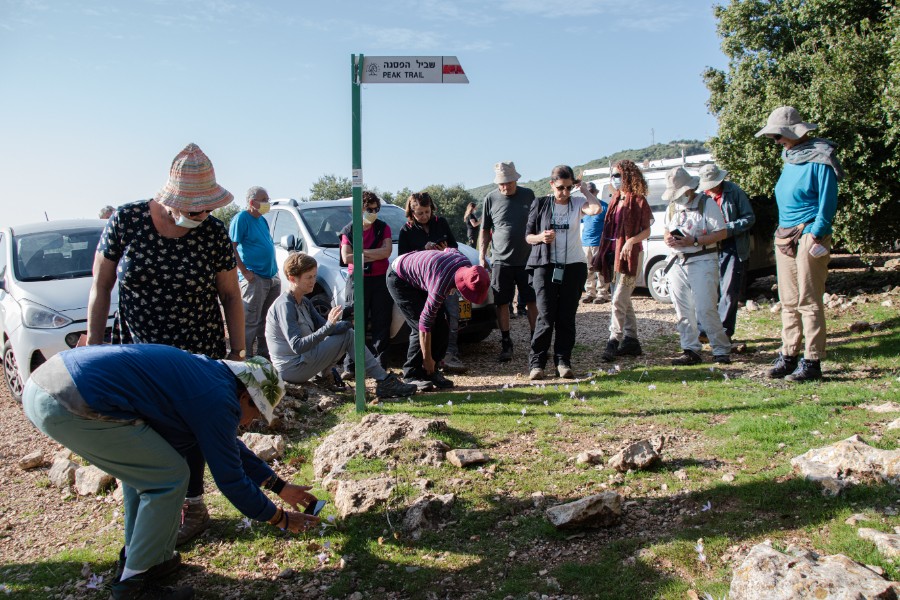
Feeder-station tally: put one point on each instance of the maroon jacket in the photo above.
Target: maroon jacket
(627, 216)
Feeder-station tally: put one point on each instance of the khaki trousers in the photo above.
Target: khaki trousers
(622, 320)
(801, 285)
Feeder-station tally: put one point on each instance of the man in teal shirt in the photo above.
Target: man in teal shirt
(806, 194)
(257, 271)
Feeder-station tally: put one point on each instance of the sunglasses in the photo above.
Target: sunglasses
(560, 188)
(198, 213)
(617, 176)
(777, 137)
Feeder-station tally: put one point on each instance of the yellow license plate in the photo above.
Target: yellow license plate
(465, 309)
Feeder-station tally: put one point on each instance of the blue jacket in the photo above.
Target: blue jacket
(739, 218)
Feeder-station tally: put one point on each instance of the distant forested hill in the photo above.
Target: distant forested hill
(673, 149)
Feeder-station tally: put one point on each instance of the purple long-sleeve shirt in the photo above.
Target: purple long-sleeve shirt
(432, 271)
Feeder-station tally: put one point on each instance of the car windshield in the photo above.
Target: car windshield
(655, 189)
(325, 223)
(55, 254)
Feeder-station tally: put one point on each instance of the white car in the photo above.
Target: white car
(314, 228)
(650, 274)
(45, 281)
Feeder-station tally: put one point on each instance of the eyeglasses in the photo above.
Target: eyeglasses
(777, 137)
(563, 188)
(374, 206)
(198, 213)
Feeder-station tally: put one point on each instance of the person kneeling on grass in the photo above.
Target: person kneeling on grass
(302, 343)
(134, 411)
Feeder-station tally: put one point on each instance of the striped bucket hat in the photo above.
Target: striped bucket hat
(192, 183)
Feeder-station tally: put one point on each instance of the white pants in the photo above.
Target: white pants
(694, 289)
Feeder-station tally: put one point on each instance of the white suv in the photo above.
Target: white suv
(45, 281)
(650, 275)
(314, 228)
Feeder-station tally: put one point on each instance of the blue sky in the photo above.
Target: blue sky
(99, 96)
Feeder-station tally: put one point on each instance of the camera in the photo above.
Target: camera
(558, 272)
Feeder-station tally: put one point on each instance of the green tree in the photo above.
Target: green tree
(226, 213)
(837, 62)
(451, 204)
(330, 187)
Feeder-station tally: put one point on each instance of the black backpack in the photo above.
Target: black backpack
(378, 226)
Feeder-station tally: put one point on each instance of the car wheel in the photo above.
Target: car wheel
(657, 282)
(322, 304)
(11, 372)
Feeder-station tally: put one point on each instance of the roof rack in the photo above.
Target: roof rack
(288, 201)
(656, 165)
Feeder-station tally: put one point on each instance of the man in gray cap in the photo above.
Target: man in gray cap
(503, 222)
(734, 250)
(806, 194)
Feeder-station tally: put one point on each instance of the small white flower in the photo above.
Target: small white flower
(683, 382)
(505, 386)
(707, 506)
(469, 397)
(617, 368)
(327, 545)
(93, 583)
(330, 518)
(546, 403)
(543, 386)
(712, 369)
(572, 394)
(651, 387)
(523, 411)
(245, 524)
(559, 416)
(593, 382)
(322, 558)
(583, 399)
(449, 402)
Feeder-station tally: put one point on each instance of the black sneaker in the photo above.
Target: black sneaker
(506, 351)
(629, 347)
(782, 367)
(422, 385)
(687, 358)
(160, 571)
(612, 347)
(439, 381)
(722, 359)
(144, 587)
(392, 387)
(807, 370)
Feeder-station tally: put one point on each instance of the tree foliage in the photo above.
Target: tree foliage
(838, 63)
(330, 187)
(226, 213)
(451, 204)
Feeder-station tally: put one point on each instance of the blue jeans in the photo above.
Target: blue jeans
(154, 475)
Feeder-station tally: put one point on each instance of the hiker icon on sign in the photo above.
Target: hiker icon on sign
(372, 70)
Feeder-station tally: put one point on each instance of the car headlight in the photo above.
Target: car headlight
(345, 273)
(36, 316)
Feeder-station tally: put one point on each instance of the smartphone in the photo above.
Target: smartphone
(558, 273)
(677, 233)
(315, 508)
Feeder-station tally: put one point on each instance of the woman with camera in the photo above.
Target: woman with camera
(559, 266)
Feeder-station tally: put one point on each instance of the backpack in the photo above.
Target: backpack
(378, 227)
(701, 208)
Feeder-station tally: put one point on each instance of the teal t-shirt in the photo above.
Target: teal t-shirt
(254, 244)
(807, 193)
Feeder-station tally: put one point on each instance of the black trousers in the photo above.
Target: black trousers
(557, 304)
(732, 283)
(377, 311)
(411, 302)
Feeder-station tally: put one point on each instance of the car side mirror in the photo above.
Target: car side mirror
(287, 242)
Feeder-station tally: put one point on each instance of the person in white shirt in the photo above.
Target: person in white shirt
(693, 226)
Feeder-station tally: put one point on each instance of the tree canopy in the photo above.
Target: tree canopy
(838, 63)
(330, 187)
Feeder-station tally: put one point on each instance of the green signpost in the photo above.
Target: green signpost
(381, 69)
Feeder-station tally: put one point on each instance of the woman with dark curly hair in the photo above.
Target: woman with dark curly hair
(627, 224)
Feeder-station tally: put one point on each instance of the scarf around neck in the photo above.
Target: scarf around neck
(817, 150)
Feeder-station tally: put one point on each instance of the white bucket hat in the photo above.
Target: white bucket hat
(786, 121)
(505, 172)
(678, 181)
(710, 177)
(262, 381)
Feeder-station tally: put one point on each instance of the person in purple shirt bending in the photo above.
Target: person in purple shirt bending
(419, 282)
(806, 194)
(134, 411)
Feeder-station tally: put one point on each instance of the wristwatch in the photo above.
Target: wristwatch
(240, 353)
(696, 242)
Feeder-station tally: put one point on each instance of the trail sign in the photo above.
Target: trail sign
(412, 69)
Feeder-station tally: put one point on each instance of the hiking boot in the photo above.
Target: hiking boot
(392, 387)
(588, 299)
(506, 351)
(143, 586)
(687, 358)
(722, 359)
(439, 381)
(807, 370)
(452, 364)
(194, 521)
(565, 371)
(422, 385)
(782, 367)
(160, 571)
(601, 300)
(536, 374)
(629, 347)
(612, 348)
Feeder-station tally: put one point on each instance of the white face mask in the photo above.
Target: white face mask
(369, 217)
(183, 221)
(616, 182)
(683, 199)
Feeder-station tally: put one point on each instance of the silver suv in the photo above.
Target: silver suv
(314, 228)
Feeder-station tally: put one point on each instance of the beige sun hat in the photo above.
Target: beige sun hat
(710, 177)
(192, 183)
(678, 181)
(505, 172)
(786, 121)
(262, 381)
